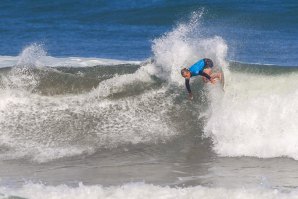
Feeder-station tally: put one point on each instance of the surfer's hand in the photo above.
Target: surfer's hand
(190, 97)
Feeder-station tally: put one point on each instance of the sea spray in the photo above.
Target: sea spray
(184, 45)
(21, 77)
(31, 55)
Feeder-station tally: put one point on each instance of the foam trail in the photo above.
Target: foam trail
(140, 190)
(257, 116)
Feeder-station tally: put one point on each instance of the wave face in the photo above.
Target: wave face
(51, 126)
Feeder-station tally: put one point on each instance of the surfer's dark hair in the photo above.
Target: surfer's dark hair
(183, 70)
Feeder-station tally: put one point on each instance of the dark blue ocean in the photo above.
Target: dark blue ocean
(255, 31)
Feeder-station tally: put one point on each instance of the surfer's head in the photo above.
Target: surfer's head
(185, 73)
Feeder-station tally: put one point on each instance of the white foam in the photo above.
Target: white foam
(140, 191)
(83, 62)
(8, 61)
(256, 116)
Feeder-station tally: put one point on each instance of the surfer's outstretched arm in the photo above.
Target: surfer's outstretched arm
(188, 88)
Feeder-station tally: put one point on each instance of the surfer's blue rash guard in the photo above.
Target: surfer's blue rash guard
(197, 69)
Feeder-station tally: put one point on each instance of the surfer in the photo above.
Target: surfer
(202, 67)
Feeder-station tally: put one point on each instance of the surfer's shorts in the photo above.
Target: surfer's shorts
(208, 63)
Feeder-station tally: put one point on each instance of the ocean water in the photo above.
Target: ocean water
(92, 103)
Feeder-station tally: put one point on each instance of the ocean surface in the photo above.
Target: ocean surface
(92, 103)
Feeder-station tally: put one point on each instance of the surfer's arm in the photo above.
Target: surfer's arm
(187, 85)
(188, 88)
(207, 76)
